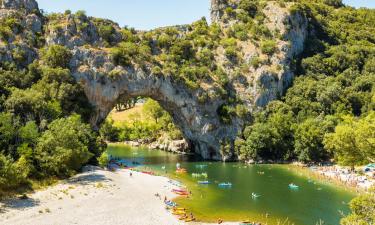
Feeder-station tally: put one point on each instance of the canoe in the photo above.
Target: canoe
(293, 186)
(181, 193)
(170, 203)
(203, 182)
(190, 219)
(254, 195)
(179, 213)
(179, 190)
(179, 209)
(182, 218)
(225, 184)
(147, 172)
(181, 170)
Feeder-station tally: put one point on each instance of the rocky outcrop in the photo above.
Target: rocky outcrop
(105, 82)
(28, 5)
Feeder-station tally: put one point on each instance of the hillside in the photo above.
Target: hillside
(267, 80)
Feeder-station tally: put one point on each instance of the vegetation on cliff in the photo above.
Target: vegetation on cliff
(327, 113)
(329, 110)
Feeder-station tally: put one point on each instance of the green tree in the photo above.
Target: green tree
(103, 159)
(363, 210)
(153, 109)
(309, 137)
(353, 140)
(63, 148)
(11, 174)
(56, 56)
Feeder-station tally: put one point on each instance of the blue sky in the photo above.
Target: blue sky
(148, 14)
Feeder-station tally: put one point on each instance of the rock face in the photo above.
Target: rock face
(104, 82)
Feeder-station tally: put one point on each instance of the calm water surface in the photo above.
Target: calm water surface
(312, 202)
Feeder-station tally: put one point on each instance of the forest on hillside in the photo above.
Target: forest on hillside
(328, 112)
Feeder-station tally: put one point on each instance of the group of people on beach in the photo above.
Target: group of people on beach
(346, 176)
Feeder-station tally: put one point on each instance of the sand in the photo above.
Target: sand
(95, 197)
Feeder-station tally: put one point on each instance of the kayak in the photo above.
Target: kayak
(170, 203)
(204, 182)
(293, 186)
(225, 184)
(254, 195)
(181, 171)
(180, 193)
(147, 172)
(200, 166)
(179, 213)
(179, 209)
(190, 219)
(197, 175)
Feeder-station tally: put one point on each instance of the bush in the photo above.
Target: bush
(63, 148)
(11, 174)
(103, 160)
(268, 47)
(56, 56)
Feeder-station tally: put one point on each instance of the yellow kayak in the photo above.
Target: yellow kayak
(179, 213)
(177, 209)
(190, 219)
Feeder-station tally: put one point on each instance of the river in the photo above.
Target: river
(313, 202)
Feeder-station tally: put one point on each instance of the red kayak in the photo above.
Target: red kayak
(180, 193)
(149, 173)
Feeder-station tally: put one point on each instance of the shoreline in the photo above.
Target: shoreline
(97, 197)
(334, 174)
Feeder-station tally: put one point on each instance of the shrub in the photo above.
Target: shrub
(63, 148)
(11, 174)
(103, 159)
(56, 56)
(268, 47)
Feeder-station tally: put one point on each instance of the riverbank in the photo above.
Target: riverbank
(97, 197)
(354, 181)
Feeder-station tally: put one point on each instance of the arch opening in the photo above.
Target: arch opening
(143, 121)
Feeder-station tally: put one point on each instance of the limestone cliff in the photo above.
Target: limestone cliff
(194, 110)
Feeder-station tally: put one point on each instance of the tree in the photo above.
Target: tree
(365, 136)
(56, 56)
(103, 159)
(363, 210)
(109, 132)
(353, 140)
(63, 148)
(7, 131)
(153, 109)
(11, 174)
(309, 137)
(29, 133)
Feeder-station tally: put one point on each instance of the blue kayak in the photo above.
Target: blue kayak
(204, 182)
(225, 184)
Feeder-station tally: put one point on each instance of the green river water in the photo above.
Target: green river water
(314, 201)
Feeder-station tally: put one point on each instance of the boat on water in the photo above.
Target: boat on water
(204, 182)
(181, 170)
(293, 186)
(228, 184)
(170, 203)
(201, 166)
(197, 175)
(254, 195)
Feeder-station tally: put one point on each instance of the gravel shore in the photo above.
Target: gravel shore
(95, 197)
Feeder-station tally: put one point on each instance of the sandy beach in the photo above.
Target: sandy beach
(95, 197)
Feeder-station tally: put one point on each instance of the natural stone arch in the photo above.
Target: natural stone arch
(104, 81)
(199, 122)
